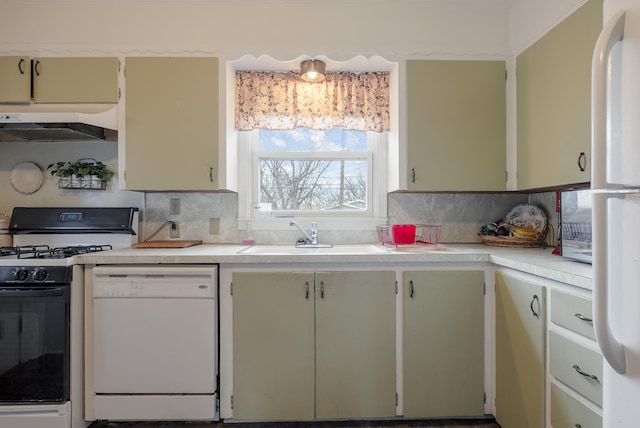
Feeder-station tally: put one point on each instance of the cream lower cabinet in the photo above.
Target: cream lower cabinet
(171, 124)
(520, 352)
(317, 345)
(443, 343)
(575, 364)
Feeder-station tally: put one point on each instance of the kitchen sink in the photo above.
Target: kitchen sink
(284, 249)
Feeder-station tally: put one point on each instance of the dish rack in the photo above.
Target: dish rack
(401, 236)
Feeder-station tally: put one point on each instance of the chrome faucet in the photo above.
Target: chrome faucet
(310, 239)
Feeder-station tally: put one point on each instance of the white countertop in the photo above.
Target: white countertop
(536, 261)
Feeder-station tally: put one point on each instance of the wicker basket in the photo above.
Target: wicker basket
(512, 241)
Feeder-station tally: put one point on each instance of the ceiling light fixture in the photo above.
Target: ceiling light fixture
(312, 70)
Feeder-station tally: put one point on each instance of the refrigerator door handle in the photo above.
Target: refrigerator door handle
(612, 349)
(611, 34)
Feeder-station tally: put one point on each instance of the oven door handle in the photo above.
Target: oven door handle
(31, 292)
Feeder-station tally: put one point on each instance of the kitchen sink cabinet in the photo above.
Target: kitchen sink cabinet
(59, 80)
(456, 125)
(443, 350)
(170, 139)
(520, 352)
(553, 105)
(314, 345)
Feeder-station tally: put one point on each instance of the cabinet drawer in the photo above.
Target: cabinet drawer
(567, 357)
(572, 312)
(567, 412)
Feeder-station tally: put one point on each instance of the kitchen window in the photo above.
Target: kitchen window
(317, 151)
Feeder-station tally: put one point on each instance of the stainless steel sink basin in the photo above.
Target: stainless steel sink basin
(277, 249)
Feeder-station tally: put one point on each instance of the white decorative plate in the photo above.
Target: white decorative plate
(527, 216)
(26, 178)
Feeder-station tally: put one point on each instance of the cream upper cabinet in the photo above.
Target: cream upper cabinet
(75, 80)
(456, 125)
(520, 352)
(317, 345)
(443, 340)
(15, 79)
(554, 102)
(59, 80)
(171, 123)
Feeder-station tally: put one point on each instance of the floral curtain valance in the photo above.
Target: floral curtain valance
(281, 101)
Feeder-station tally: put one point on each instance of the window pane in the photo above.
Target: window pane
(314, 184)
(307, 140)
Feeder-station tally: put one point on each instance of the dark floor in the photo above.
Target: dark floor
(446, 423)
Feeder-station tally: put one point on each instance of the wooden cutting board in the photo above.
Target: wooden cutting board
(167, 244)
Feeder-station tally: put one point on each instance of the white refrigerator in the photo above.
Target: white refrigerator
(615, 178)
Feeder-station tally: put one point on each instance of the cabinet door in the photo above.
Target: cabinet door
(171, 123)
(15, 79)
(443, 343)
(273, 346)
(520, 353)
(75, 80)
(456, 125)
(355, 345)
(554, 101)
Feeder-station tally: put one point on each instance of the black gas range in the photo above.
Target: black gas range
(41, 304)
(52, 236)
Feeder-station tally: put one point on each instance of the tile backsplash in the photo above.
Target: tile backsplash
(212, 217)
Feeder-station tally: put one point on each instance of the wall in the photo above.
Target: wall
(284, 29)
(43, 154)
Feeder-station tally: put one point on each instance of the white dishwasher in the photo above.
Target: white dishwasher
(155, 342)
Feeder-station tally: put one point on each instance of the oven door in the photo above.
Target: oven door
(34, 344)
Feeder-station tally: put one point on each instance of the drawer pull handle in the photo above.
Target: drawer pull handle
(583, 318)
(580, 372)
(533, 311)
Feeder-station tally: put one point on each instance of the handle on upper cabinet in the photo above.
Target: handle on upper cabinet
(582, 161)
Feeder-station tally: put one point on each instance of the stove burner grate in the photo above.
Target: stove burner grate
(46, 252)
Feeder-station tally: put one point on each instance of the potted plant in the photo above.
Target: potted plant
(81, 174)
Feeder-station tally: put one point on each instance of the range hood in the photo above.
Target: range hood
(38, 122)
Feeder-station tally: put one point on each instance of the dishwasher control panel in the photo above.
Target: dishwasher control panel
(195, 282)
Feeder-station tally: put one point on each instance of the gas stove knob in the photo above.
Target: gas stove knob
(40, 275)
(21, 274)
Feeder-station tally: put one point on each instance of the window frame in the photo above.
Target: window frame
(248, 187)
